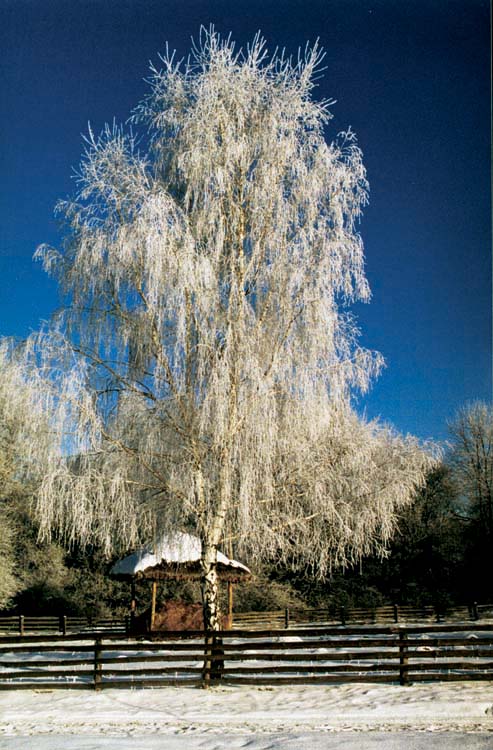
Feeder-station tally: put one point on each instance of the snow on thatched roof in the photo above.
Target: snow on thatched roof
(171, 550)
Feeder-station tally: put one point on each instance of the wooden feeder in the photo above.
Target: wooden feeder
(175, 556)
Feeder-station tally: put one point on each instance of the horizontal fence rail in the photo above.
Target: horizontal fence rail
(23, 624)
(285, 618)
(391, 613)
(400, 654)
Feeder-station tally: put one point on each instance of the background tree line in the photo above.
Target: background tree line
(442, 553)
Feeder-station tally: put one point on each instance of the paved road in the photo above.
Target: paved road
(405, 740)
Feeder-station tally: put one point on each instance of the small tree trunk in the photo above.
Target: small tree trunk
(210, 588)
(212, 617)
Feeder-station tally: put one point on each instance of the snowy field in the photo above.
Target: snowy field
(445, 716)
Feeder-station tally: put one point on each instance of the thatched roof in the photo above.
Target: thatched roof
(175, 555)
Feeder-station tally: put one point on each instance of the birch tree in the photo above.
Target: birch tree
(26, 441)
(209, 278)
(471, 461)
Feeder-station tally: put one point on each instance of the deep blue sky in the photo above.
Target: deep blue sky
(411, 77)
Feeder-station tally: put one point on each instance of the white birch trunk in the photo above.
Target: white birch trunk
(210, 588)
(211, 610)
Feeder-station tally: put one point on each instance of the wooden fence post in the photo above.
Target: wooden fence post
(403, 659)
(475, 613)
(396, 613)
(213, 658)
(153, 604)
(98, 667)
(62, 624)
(206, 672)
(21, 624)
(286, 617)
(230, 604)
(343, 615)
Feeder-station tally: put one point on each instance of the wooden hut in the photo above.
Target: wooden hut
(175, 556)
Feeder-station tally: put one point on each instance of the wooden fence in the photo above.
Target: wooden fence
(400, 654)
(285, 618)
(25, 624)
(391, 613)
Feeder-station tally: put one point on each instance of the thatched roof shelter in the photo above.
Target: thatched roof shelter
(176, 556)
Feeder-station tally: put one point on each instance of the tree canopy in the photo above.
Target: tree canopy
(212, 354)
(26, 443)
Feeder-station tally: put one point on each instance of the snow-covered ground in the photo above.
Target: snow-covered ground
(440, 715)
(422, 716)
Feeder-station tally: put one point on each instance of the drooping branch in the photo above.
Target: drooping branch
(207, 283)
